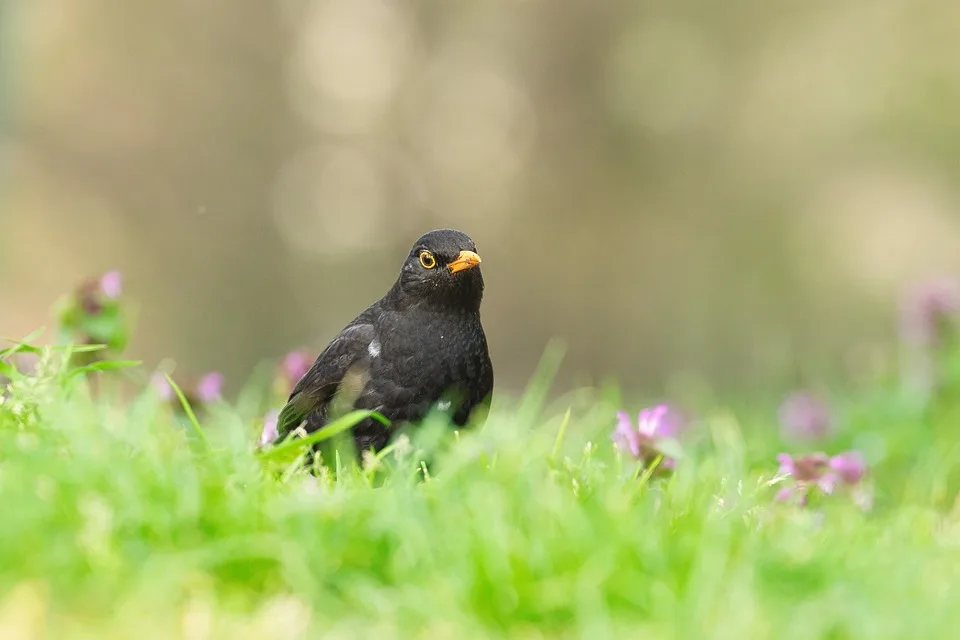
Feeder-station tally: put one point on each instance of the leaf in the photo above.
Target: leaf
(107, 327)
(648, 471)
(105, 365)
(79, 348)
(23, 344)
(72, 348)
(8, 370)
(559, 441)
(188, 410)
(336, 427)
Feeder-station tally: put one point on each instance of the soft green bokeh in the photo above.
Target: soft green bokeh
(738, 190)
(117, 525)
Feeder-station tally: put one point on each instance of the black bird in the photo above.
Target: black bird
(421, 345)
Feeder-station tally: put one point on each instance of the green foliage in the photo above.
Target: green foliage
(531, 526)
(106, 326)
(133, 512)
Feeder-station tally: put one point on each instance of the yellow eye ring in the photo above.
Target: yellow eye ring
(427, 260)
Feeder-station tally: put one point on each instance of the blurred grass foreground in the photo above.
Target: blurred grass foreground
(137, 505)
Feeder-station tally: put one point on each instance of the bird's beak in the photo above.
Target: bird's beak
(466, 260)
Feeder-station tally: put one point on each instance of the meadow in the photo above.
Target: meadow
(137, 504)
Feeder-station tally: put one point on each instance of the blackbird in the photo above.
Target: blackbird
(420, 346)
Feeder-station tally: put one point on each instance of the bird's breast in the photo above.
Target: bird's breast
(430, 345)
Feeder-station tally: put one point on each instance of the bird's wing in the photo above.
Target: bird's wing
(323, 379)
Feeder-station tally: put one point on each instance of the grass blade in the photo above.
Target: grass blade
(536, 394)
(560, 436)
(191, 416)
(22, 344)
(106, 365)
(336, 427)
(648, 471)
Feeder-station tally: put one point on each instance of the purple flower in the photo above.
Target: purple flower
(269, 433)
(295, 365)
(850, 469)
(646, 440)
(804, 416)
(208, 389)
(92, 298)
(850, 466)
(817, 470)
(111, 285)
(806, 468)
(289, 371)
(161, 386)
(811, 469)
(926, 308)
(663, 421)
(625, 436)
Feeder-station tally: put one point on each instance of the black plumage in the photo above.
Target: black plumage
(420, 346)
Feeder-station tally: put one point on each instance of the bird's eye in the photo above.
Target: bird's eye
(427, 260)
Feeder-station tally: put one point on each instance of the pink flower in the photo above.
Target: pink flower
(208, 389)
(812, 469)
(654, 427)
(93, 292)
(850, 466)
(161, 386)
(111, 285)
(926, 308)
(295, 365)
(625, 436)
(817, 470)
(808, 468)
(269, 433)
(803, 416)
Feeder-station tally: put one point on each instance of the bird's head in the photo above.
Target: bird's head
(442, 269)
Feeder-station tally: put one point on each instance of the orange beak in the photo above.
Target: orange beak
(466, 260)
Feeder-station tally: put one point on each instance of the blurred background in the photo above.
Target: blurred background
(736, 190)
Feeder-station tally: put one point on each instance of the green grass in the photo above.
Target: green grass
(120, 522)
